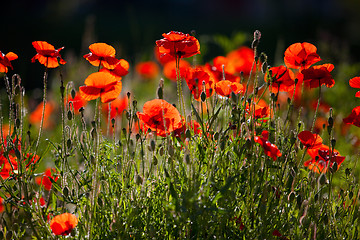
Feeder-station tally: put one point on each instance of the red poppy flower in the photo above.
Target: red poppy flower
(121, 69)
(221, 61)
(217, 72)
(310, 140)
(354, 117)
(241, 59)
(63, 224)
(225, 87)
(178, 45)
(282, 79)
(355, 83)
(102, 54)
(45, 180)
(169, 70)
(193, 125)
(35, 116)
(147, 70)
(47, 54)
(5, 61)
(160, 116)
(301, 55)
(261, 110)
(270, 149)
(322, 158)
(162, 59)
(101, 84)
(9, 161)
(77, 102)
(117, 107)
(318, 75)
(200, 80)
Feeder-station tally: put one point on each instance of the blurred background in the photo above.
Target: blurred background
(133, 26)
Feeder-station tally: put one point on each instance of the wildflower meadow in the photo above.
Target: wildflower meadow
(173, 147)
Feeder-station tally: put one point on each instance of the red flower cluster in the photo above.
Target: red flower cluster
(106, 83)
(9, 161)
(63, 224)
(200, 80)
(45, 181)
(354, 117)
(270, 149)
(322, 158)
(160, 116)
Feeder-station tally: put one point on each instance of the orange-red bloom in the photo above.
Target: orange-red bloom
(160, 116)
(318, 75)
(169, 70)
(322, 158)
(178, 45)
(121, 69)
(117, 107)
(102, 54)
(47, 54)
(45, 180)
(282, 79)
(9, 161)
(5, 61)
(217, 71)
(241, 59)
(63, 224)
(101, 84)
(200, 80)
(310, 140)
(225, 87)
(354, 117)
(35, 116)
(301, 55)
(147, 70)
(270, 149)
(77, 102)
(355, 83)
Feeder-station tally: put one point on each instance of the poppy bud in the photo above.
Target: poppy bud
(69, 143)
(264, 67)
(69, 115)
(331, 121)
(155, 161)
(333, 142)
(113, 122)
(65, 191)
(17, 123)
(203, 96)
(160, 93)
(93, 124)
(322, 179)
(128, 94)
(335, 167)
(161, 151)
(152, 145)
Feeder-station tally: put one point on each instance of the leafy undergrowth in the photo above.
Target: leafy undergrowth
(231, 149)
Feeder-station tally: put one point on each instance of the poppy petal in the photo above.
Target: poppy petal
(111, 93)
(355, 82)
(100, 80)
(89, 93)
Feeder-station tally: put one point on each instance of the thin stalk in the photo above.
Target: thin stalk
(43, 110)
(317, 108)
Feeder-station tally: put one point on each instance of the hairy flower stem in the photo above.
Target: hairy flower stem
(179, 89)
(63, 152)
(317, 108)
(96, 163)
(43, 110)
